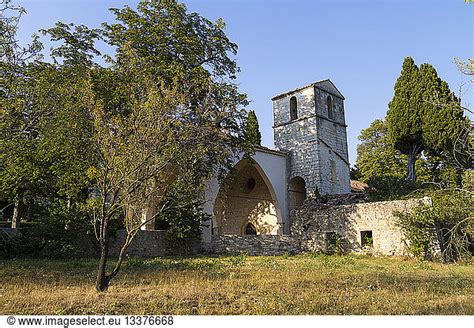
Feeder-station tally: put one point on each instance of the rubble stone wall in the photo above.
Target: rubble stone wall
(147, 243)
(313, 226)
(255, 244)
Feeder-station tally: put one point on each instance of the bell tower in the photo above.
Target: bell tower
(309, 124)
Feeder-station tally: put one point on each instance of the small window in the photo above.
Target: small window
(251, 184)
(293, 108)
(330, 108)
(333, 171)
(366, 239)
(333, 242)
(250, 229)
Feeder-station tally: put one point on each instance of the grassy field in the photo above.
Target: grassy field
(303, 284)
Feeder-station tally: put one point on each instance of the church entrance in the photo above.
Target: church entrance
(245, 204)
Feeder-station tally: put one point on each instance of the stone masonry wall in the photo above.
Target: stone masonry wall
(255, 245)
(312, 225)
(332, 139)
(147, 243)
(298, 137)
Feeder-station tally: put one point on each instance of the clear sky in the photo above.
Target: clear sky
(358, 44)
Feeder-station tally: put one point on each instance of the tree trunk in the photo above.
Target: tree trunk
(440, 239)
(412, 154)
(459, 173)
(102, 282)
(29, 209)
(17, 210)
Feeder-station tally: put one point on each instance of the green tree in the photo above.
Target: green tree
(44, 142)
(404, 116)
(424, 115)
(446, 223)
(382, 166)
(18, 118)
(376, 156)
(165, 115)
(252, 129)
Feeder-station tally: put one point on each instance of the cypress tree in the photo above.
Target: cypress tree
(404, 116)
(252, 130)
(424, 115)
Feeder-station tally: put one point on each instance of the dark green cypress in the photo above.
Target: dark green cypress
(424, 115)
(252, 130)
(404, 116)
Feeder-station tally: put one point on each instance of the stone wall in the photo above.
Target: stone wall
(332, 141)
(313, 226)
(147, 243)
(255, 245)
(298, 137)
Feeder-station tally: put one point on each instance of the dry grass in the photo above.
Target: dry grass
(303, 284)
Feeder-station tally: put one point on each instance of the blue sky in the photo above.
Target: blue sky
(358, 44)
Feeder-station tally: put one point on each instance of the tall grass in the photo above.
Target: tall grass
(302, 284)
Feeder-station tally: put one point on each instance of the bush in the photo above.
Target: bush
(446, 225)
(335, 243)
(182, 222)
(61, 232)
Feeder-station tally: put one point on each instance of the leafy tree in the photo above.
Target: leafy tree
(404, 117)
(424, 115)
(165, 115)
(18, 119)
(182, 220)
(252, 130)
(44, 134)
(44, 152)
(382, 166)
(376, 157)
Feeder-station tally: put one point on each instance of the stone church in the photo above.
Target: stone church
(252, 212)
(310, 156)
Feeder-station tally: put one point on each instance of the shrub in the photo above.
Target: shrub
(60, 232)
(447, 225)
(335, 243)
(182, 222)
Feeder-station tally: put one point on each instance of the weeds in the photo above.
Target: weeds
(300, 284)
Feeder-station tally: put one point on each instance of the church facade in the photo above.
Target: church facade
(310, 157)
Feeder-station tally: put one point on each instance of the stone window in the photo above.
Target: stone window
(293, 108)
(250, 229)
(330, 108)
(366, 239)
(333, 171)
(333, 242)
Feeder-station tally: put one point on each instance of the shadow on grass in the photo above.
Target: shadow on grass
(203, 264)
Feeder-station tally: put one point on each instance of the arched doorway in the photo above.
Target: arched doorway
(296, 192)
(250, 229)
(246, 203)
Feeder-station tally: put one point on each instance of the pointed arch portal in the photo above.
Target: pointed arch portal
(245, 202)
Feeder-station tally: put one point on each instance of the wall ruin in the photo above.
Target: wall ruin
(373, 224)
